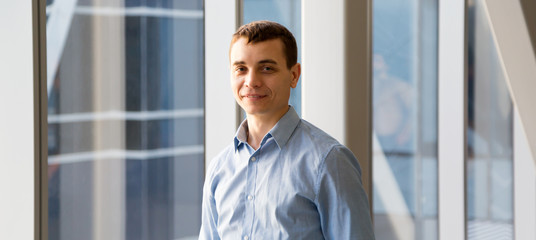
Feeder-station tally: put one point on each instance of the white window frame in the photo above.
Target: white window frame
(524, 184)
(452, 122)
(221, 111)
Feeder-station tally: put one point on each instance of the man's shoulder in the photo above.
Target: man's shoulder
(314, 133)
(331, 151)
(315, 138)
(224, 155)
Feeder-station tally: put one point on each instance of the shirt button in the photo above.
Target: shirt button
(250, 197)
(246, 237)
(253, 159)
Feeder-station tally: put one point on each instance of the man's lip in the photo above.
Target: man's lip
(253, 96)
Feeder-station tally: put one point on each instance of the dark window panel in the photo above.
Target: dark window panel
(133, 64)
(188, 42)
(153, 62)
(135, 213)
(134, 135)
(189, 176)
(70, 199)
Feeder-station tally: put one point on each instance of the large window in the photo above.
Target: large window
(126, 119)
(489, 165)
(405, 119)
(285, 12)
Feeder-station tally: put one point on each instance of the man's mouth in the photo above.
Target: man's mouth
(254, 96)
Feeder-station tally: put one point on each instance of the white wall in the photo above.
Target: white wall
(16, 121)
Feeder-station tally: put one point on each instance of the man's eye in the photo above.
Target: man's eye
(267, 69)
(240, 69)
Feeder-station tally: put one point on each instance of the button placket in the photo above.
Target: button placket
(249, 196)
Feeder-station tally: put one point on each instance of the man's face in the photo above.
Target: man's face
(260, 79)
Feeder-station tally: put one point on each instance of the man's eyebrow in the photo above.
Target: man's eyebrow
(238, 63)
(268, 61)
(260, 62)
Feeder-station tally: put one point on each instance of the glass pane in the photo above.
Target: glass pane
(288, 14)
(489, 136)
(405, 119)
(126, 119)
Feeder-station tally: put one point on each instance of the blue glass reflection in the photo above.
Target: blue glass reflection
(126, 121)
(405, 118)
(489, 166)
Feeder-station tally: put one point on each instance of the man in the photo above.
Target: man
(281, 178)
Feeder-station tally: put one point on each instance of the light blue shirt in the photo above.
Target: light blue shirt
(300, 184)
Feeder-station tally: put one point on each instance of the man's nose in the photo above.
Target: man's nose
(253, 79)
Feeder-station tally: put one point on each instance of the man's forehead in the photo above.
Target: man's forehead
(271, 43)
(268, 51)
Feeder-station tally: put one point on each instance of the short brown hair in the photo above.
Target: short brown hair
(260, 31)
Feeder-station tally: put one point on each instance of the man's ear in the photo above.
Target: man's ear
(296, 72)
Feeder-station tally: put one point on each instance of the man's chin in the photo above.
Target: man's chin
(263, 111)
(254, 111)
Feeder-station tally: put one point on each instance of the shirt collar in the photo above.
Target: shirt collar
(241, 134)
(284, 128)
(281, 132)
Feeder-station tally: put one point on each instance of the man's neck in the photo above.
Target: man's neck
(260, 125)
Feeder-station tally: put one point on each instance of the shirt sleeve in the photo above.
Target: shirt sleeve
(209, 214)
(341, 199)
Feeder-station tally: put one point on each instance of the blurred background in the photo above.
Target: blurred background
(127, 114)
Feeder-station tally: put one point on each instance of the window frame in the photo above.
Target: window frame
(40, 120)
(452, 118)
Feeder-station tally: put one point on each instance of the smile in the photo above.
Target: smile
(254, 96)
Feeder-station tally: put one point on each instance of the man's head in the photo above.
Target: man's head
(260, 31)
(263, 59)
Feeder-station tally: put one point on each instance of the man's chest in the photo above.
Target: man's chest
(267, 192)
